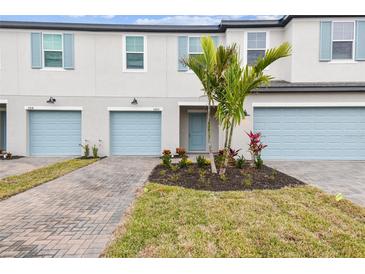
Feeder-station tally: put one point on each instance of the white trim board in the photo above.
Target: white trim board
(135, 108)
(192, 104)
(197, 111)
(3, 101)
(308, 104)
(52, 108)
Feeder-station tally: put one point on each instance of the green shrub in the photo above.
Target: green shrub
(174, 178)
(219, 159)
(184, 162)
(190, 170)
(162, 172)
(166, 158)
(272, 177)
(95, 151)
(240, 162)
(202, 161)
(247, 181)
(202, 174)
(258, 162)
(86, 149)
(223, 177)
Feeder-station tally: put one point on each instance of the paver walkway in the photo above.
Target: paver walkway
(74, 215)
(22, 165)
(346, 177)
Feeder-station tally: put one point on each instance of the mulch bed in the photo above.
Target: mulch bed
(12, 157)
(247, 178)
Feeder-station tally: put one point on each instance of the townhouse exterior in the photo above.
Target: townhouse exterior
(123, 88)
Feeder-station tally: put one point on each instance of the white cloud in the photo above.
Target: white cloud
(268, 17)
(75, 16)
(185, 20)
(108, 16)
(195, 19)
(179, 20)
(102, 16)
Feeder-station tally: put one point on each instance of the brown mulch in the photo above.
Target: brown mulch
(247, 178)
(12, 157)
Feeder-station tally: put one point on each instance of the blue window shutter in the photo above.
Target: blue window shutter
(68, 51)
(360, 41)
(325, 48)
(182, 52)
(36, 49)
(216, 40)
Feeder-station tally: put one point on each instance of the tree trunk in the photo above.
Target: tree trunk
(229, 142)
(211, 156)
(226, 139)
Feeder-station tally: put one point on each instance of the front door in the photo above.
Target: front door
(197, 131)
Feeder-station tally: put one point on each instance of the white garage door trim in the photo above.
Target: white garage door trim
(135, 109)
(53, 108)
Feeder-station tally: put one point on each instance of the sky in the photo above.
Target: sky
(134, 19)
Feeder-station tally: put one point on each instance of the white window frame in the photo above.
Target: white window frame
(125, 69)
(193, 52)
(351, 60)
(43, 50)
(246, 49)
(192, 36)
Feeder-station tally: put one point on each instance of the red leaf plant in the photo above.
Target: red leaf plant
(256, 147)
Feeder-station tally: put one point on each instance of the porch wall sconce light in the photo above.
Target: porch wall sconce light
(134, 102)
(51, 100)
(246, 113)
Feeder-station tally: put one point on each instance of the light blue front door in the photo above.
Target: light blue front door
(197, 131)
(135, 132)
(323, 133)
(54, 133)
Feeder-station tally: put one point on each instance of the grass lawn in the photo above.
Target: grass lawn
(171, 221)
(15, 184)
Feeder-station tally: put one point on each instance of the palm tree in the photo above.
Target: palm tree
(209, 68)
(237, 84)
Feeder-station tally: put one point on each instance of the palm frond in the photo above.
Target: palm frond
(272, 55)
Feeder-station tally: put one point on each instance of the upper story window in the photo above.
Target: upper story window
(343, 40)
(52, 50)
(256, 46)
(135, 53)
(195, 47)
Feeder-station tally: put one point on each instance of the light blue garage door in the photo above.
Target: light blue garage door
(135, 133)
(324, 133)
(54, 133)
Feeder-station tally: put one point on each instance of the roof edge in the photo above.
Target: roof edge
(220, 28)
(110, 27)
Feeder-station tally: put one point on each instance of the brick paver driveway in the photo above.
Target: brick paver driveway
(22, 165)
(346, 177)
(72, 216)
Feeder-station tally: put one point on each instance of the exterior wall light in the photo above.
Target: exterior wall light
(51, 100)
